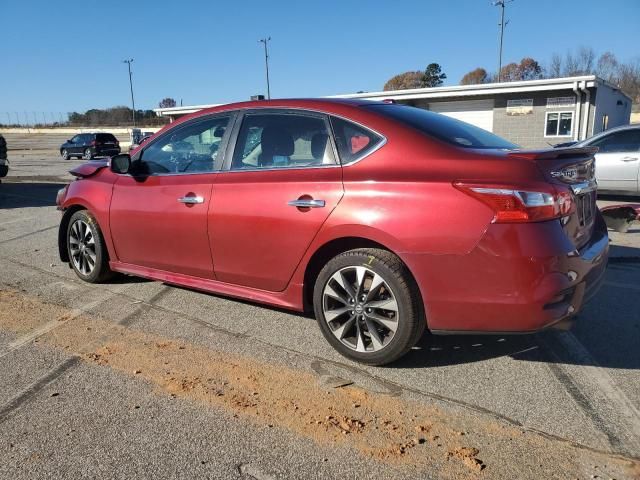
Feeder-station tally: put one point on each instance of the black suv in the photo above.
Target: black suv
(4, 163)
(89, 145)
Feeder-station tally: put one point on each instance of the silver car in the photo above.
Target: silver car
(617, 160)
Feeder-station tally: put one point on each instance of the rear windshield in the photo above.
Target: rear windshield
(105, 137)
(447, 129)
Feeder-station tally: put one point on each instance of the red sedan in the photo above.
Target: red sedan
(384, 219)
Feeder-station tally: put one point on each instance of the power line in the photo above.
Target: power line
(502, 24)
(266, 62)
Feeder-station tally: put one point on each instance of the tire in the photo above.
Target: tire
(369, 333)
(65, 154)
(87, 154)
(4, 169)
(86, 249)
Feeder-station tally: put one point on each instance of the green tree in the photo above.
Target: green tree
(433, 75)
(167, 103)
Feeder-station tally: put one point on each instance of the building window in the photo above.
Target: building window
(558, 124)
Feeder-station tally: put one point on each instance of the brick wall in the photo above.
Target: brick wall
(528, 130)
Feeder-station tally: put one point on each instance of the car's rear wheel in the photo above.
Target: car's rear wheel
(65, 154)
(87, 252)
(87, 154)
(368, 306)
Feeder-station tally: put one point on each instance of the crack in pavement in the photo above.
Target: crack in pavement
(53, 374)
(19, 237)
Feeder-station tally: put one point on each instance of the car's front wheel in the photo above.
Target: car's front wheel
(368, 306)
(87, 154)
(85, 245)
(65, 154)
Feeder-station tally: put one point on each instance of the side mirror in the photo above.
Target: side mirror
(121, 163)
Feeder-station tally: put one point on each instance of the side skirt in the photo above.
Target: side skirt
(290, 298)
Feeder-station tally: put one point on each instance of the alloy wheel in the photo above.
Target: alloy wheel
(360, 309)
(87, 154)
(65, 155)
(82, 247)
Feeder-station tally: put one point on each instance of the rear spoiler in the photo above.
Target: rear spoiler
(88, 169)
(554, 153)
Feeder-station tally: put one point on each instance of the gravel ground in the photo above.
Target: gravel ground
(66, 412)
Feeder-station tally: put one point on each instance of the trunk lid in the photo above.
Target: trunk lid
(571, 168)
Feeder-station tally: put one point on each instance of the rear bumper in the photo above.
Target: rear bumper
(108, 152)
(518, 279)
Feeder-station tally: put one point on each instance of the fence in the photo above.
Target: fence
(61, 119)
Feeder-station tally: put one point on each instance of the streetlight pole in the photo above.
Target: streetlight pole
(501, 4)
(266, 63)
(133, 103)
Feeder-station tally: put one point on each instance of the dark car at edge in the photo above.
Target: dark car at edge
(90, 145)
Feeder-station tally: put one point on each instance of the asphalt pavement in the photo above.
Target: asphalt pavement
(69, 408)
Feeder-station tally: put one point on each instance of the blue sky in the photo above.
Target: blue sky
(59, 56)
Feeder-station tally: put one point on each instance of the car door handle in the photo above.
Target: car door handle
(629, 159)
(306, 203)
(191, 200)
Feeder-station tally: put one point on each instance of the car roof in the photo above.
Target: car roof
(621, 128)
(327, 105)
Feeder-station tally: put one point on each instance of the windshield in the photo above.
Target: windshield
(447, 129)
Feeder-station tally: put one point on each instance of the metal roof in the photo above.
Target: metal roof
(453, 91)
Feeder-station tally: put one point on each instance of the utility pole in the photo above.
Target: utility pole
(266, 63)
(501, 4)
(133, 103)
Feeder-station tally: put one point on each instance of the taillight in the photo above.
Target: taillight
(515, 205)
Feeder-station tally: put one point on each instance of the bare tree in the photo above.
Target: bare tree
(586, 59)
(555, 67)
(629, 79)
(570, 68)
(580, 63)
(607, 67)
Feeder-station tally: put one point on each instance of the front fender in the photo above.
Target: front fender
(95, 196)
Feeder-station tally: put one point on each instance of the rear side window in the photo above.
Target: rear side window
(105, 137)
(625, 141)
(353, 141)
(441, 127)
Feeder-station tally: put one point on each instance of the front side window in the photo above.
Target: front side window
(558, 124)
(189, 149)
(275, 140)
(625, 141)
(353, 141)
(76, 139)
